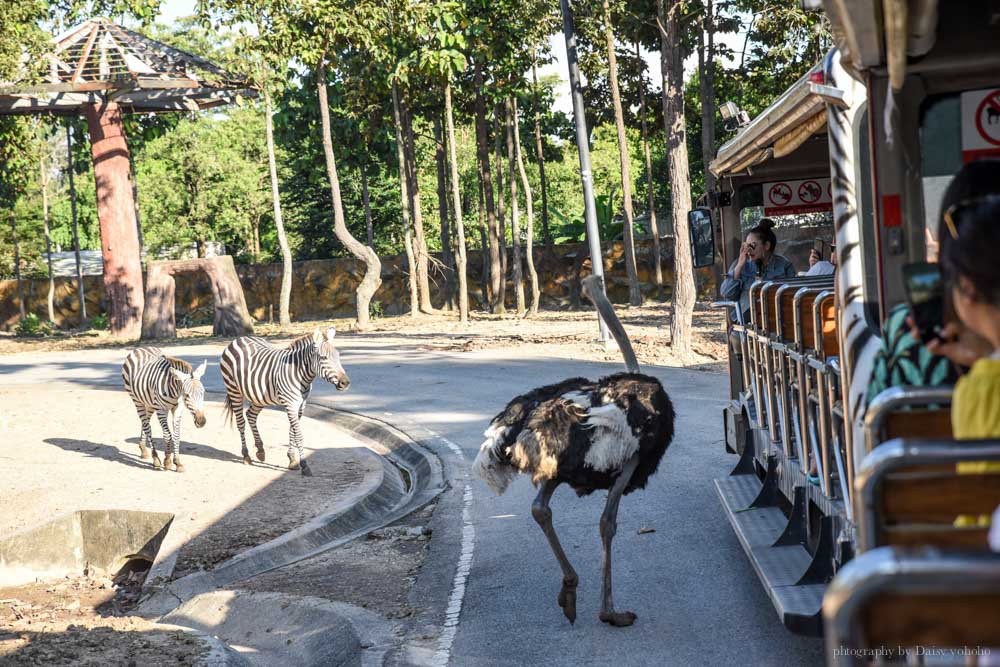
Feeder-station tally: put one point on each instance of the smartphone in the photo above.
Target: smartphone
(819, 245)
(924, 288)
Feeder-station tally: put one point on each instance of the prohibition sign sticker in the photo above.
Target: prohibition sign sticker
(780, 194)
(810, 192)
(988, 118)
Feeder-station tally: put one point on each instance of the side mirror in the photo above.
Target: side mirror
(702, 237)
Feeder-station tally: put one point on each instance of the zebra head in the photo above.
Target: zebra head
(329, 359)
(193, 392)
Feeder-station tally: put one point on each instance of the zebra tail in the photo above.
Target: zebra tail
(228, 410)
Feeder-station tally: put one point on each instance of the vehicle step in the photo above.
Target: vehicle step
(779, 568)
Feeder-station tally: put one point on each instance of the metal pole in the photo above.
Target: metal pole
(583, 148)
(76, 235)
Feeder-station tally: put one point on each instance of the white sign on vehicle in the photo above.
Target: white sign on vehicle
(980, 123)
(809, 195)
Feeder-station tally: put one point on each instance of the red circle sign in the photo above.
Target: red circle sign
(810, 192)
(780, 194)
(990, 108)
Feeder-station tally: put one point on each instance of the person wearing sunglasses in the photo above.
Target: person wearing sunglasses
(757, 261)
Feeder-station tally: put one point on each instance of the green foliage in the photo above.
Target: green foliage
(100, 322)
(31, 326)
(375, 309)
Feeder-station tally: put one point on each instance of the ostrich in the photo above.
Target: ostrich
(604, 434)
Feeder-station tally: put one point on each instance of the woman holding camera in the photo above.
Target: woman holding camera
(757, 261)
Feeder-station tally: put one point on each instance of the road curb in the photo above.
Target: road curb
(412, 476)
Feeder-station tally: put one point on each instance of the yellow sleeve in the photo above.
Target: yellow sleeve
(975, 407)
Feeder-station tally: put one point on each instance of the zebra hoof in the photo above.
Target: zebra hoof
(179, 467)
(306, 471)
(260, 454)
(246, 460)
(144, 454)
(157, 463)
(293, 462)
(168, 463)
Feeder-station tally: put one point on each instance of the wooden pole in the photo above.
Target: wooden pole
(120, 248)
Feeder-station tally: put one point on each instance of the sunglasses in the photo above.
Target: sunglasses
(953, 212)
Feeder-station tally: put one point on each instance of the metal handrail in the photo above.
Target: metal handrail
(919, 571)
(902, 453)
(894, 398)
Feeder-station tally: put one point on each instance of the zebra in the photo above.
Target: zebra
(255, 371)
(158, 383)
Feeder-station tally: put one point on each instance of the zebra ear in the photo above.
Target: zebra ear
(198, 372)
(330, 333)
(318, 337)
(180, 375)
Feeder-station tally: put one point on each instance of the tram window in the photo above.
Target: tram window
(866, 205)
(941, 158)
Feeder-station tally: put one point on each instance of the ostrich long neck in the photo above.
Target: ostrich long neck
(594, 290)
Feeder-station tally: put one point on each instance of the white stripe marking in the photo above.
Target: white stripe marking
(447, 638)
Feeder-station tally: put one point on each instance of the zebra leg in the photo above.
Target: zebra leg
(165, 426)
(252, 412)
(145, 435)
(178, 466)
(237, 404)
(295, 459)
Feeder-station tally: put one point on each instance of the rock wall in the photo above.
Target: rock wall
(325, 288)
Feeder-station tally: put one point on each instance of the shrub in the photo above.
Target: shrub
(99, 322)
(32, 325)
(375, 309)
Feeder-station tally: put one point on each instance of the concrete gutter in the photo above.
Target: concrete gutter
(278, 629)
(412, 476)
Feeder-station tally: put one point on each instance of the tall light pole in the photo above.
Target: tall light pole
(583, 148)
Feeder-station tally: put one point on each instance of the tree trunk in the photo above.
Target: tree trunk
(135, 199)
(404, 193)
(463, 286)
(44, 182)
(17, 263)
(483, 153)
(284, 300)
(442, 193)
(419, 238)
(515, 229)
(546, 234)
(706, 76)
(654, 227)
(501, 219)
(367, 203)
(484, 244)
(634, 295)
(672, 68)
(120, 245)
(373, 267)
(76, 233)
(529, 205)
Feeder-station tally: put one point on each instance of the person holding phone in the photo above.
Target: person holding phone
(819, 266)
(757, 261)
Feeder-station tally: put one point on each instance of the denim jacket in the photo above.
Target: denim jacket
(737, 288)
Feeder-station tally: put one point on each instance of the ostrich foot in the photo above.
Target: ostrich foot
(306, 471)
(619, 619)
(567, 600)
(260, 453)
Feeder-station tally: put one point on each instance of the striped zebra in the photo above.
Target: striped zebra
(158, 383)
(255, 371)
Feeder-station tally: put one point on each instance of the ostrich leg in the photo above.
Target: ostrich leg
(543, 516)
(609, 525)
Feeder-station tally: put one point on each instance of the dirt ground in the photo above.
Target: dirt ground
(551, 333)
(78, 462)
(81, 620)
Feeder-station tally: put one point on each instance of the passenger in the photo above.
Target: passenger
(819, 266)
(757, 261)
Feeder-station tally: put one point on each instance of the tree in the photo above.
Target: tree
(515, 230)
(654, 227)
(635, 297)
(529, 250)
(672, 69)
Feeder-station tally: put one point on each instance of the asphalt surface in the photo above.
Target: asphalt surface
(696, 596)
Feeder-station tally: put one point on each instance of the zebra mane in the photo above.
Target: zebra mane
(179, 364)
(301, 342)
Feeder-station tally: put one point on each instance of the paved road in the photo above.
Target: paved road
(697, 598)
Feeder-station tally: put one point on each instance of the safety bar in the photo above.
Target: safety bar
(893, 399)
(901, 453)
(889, 571)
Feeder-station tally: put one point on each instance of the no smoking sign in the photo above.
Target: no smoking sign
(980, 124)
